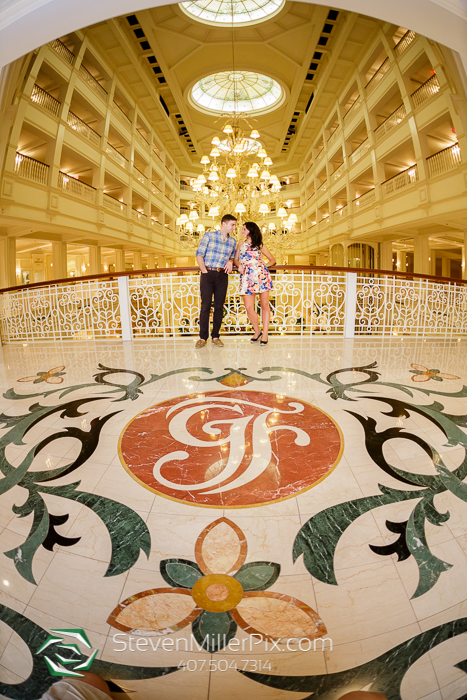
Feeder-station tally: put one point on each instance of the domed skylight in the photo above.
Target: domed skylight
(228, 12)
(239, 91)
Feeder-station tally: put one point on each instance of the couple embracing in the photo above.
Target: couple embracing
(217, 253)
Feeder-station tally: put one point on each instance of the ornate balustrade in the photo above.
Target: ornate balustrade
(404, 42)
(338, 172)
(121, 114)
(45, 100)
(352, 109)
(62, 50)
(360, 151)
(377, 77)
(364, 200)
(92, 82)
(113, 204)
(401, 180)
(390, 123)
(304, 302)
(83, 129)
(141, 139)
(71, 185)
(141, 177)
(430, 88)
(31, 169)
(444, 160)
(116, 156)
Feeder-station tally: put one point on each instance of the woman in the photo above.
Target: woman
(254, 277)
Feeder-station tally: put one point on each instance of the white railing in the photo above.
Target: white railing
(290, 186)
(155, 189)
(343, 211)
(83, 129)
(401, 180)
(311, 301)
(141, 140)
(188, 188)
(360, 151)
(390, 123)
(404, 42)
(377, 77)
(444, 160)
(116, 156)
(141, 177)
(334, 135)
(121, 114)
(62, 50)
(352, 109)
(323, 187)
(366, 199)
(139, 216)
(425, 91)
(75, 187)
(113, 204)
(92, 82)
(45, 100)
(338, 172)
(31, 169)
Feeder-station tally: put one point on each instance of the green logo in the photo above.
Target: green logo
(67, 653)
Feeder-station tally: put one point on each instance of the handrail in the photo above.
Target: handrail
(293, 268)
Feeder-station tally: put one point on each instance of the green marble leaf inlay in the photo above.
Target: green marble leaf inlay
(180, 573)
(258, 575)
(213, 630)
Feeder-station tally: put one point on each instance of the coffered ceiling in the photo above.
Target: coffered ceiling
(308, 49)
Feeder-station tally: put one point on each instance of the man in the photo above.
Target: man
(215, 256)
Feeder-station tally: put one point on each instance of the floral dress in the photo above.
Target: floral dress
(255, 277)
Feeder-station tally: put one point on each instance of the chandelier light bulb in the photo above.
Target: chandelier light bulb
(262, 153)
(201, 179)
(240, 208)
(263, 209)
(183, 219)
(213, 175)
(215, 152)
(265, 175)
(193, 215)
(254, 134)
(293, 218)
(189, 227)
(252, 172)
(281, 212)
(200, 228)
(228, 129)
(213, 211)
(215, 141)
(215, 167)
(196, 187)
(231, 172)
(271, 226)
(267, 161)
(205, 160)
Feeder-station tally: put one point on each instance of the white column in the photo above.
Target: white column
(94, 260)
(7, 262)
(385, 255)
(137, 263)
(119, 260)
(445, 267)
(401, 260)
(421, 255)
(151, 261)
(350, 304)
(161, 261)
(464, 257)
(125, 312)
(59, 260)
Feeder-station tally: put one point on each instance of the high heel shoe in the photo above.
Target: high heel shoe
(256, 338)
(263, 342)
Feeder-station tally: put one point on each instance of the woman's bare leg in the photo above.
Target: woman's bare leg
(95, 681)
(265, 313)
(249, 301)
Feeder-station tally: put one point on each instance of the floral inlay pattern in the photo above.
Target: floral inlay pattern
(53, 376)
(217, 594)
(423, 374)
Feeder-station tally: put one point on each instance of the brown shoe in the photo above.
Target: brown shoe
(200, 344)
(217, 342)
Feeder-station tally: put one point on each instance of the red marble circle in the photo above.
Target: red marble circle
(230, 449)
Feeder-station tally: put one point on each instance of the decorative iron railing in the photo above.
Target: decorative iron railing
(45, 100)
(430, 88)
(377, 77)
(390, 123)
(75, 187)
(92, 82)
(304, 302)
(83, 129)
(444, 160)
(62, 50)
(401, 180)
(31, 169)
(404, 42)
(121, 114)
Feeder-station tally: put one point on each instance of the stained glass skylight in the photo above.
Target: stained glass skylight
(239, 91)
(232, 11)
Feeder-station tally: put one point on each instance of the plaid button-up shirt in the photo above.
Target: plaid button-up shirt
(215, 250)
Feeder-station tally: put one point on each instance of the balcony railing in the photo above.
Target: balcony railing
(75, 187)
(141, 139)
(116, 156)
(290, 186)
(343, 211)
(403, 43)
(360, 151)
(155, 189)
(352, 109)
(31, 169)
(62, 50)
(92, 82)
(188, 188)
(404, 179)
(364, 201)
(121, 114)
(390, 123)
(338, 172)
(157, 154)
(138, 216)
(45, 100)
(305, 302)
(141, 177)
(113, 204)
(334, 135)
(377, 77)
(444, 160)
(323, 187)
(83, 129)
(430, 88)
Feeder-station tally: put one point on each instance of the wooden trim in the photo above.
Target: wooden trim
(292, 268)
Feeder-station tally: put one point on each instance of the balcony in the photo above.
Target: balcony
(378, 76)
(403, 43)
(338, 172)
(113, 204)
(364, 201)
(83, 129)
(447, 159)
(94, 84)
(31, 169)
(118, 111)
(352, 109)
(429, 89)
(71, 185)
(138, 216)
(390, 123)
(62, 50)
(188, 188)
(323, 187)
(116, 156)
(342, 212)
(334, 135)
(141, 140)
(45, 100)
(141, 177)
(360, 151)
(398, 182)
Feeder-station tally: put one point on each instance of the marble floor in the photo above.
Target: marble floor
(278, 522)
